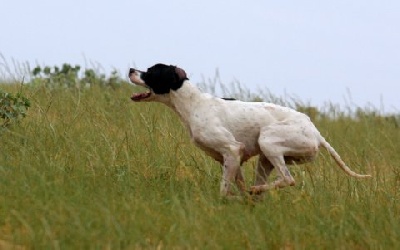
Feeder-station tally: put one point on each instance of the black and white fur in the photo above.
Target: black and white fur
(233, 131)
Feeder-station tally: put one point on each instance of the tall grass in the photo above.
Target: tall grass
(89, 169)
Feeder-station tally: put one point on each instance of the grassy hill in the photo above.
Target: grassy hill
(89, 169)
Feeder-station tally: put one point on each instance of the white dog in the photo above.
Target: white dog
(233, 131)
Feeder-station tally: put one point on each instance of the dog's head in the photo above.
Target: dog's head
(160, 79)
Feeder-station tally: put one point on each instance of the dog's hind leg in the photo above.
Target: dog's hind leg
(284, 179)
(275, 142)
(263, 170)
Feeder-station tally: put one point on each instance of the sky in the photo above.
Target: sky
(345, 52)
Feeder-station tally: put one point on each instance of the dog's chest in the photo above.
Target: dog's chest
(209, 151)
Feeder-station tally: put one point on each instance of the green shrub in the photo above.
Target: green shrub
(12, 107)
(69, 76)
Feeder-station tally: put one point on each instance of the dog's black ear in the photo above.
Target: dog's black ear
(181, 74)
(180, 78)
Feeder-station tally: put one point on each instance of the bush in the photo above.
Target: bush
(12, 107)
(69, 76)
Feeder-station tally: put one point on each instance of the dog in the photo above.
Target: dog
(233, 131)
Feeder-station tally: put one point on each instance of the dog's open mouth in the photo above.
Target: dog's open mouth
(136, 97)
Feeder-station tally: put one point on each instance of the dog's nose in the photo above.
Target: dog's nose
(131, 71)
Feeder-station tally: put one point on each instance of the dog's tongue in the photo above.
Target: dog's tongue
(139, 96)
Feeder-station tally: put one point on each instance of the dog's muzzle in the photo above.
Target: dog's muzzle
(132, 71)
(136, 78)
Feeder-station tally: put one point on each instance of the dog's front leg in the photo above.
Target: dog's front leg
(239, 179)
(231, 173)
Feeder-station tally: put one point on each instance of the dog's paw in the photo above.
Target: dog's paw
(255, 190)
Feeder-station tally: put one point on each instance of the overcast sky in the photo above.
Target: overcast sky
(314, 50)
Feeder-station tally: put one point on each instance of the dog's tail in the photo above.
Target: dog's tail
(339, 161)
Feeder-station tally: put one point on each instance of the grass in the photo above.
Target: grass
(89, 169)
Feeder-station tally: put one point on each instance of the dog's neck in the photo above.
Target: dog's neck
(185, 99)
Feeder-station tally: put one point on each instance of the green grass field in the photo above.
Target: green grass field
(89, 169)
